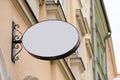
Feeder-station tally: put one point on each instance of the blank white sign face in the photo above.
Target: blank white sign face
(51, 40)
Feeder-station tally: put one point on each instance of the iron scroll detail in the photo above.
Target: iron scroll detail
(16, 42)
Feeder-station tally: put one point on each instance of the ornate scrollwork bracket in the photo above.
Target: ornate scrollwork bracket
(16, 42)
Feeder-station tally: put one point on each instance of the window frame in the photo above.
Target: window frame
(25, 11)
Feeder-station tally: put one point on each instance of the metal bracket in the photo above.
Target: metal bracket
(16, 46)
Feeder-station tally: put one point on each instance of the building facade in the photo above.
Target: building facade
(81, 65)
(111, 66)
(101, 30)
(104, 59)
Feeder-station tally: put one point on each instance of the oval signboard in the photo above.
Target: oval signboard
(51, 40)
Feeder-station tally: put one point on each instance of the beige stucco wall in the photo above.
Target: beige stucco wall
(26, 65)
(30, 66)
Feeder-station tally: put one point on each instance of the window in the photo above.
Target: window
(63, 4)
(54, 11)
(33, 6)
(81, 21)
(79, 50)
(29, 12)
(86, 8)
